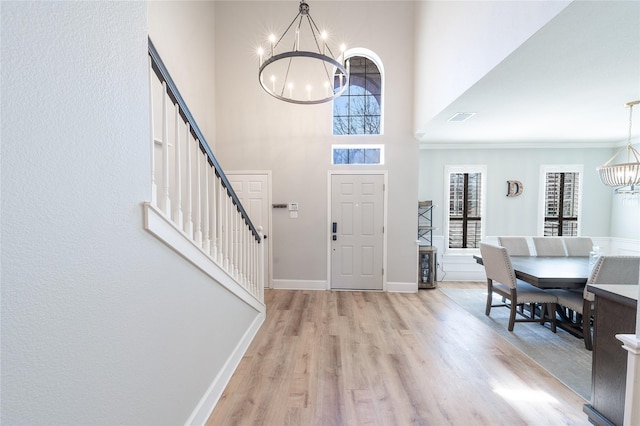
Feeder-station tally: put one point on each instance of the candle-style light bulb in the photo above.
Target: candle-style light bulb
(308, 92)
(290, 85)
(326, 88)
(272, 39)
(273, 83)
(260, 53)
(343, 47)
(324, 42)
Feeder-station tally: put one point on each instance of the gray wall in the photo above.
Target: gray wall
(258, 132)
(101, 323)
(519, 215)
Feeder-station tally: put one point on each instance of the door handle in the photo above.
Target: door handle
(335, 227)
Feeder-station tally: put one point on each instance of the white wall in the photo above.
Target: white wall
(458, 42)
(101, 323)
(256, 131)
(183, 34)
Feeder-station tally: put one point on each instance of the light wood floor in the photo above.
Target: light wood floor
(356, 358)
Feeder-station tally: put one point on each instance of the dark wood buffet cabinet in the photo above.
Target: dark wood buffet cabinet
(615, 313)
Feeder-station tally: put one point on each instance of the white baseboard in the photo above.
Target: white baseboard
(393, 287)
(299, 284)
(211, 397)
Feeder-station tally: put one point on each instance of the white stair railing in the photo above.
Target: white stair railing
(191, 192)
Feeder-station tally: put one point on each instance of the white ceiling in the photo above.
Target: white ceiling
(567, 85)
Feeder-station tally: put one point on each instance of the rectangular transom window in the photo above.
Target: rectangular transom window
(357, 154)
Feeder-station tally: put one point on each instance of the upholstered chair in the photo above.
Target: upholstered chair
(549, 246)
(608, 270)
(516, 246)
(501, 279)
(578, 246)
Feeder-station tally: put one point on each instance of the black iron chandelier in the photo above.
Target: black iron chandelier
(308, 73)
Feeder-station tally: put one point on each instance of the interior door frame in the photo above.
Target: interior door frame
(385, 178)
(268, 281)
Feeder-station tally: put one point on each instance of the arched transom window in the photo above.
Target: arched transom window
(359, 110)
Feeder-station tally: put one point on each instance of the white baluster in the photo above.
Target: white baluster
(198, 194)
(206, 244)
(189, 190)
(226, 232)
(165, 200)
(214, 215)
(220, 218)
(236, 226)
(154, 187)
(177, 215)
(241, 228)
(232, 240)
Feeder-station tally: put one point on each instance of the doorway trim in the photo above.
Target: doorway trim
(385, 179)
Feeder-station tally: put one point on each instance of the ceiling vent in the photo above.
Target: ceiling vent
(461, 116)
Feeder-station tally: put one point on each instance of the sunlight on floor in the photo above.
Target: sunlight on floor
(524, 394)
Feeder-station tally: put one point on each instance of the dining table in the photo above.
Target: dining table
(566, 272)
(557, 272)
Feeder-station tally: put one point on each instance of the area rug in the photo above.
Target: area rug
(561, 354)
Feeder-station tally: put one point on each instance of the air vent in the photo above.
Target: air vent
(461, 116)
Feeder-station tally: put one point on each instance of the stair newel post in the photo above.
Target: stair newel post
(165, 199)
(189, 176)
(260, 272)
(255, 247)
(177, 215)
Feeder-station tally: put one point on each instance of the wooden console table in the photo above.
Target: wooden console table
(615, 313)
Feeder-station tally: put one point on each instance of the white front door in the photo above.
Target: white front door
(357, 221)
(253, 191)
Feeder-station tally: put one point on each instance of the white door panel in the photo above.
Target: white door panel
(357, 245)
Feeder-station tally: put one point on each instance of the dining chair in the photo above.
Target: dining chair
(578, 246)
(549, 246)
(516, 246)
(579, 305)
(501, 279)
